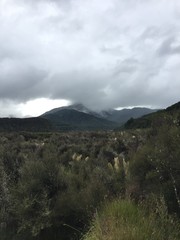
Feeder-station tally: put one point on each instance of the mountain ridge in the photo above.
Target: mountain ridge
(170, 114)
(79, 117)
(77, 120)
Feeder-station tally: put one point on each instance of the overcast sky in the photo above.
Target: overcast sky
(102, 53)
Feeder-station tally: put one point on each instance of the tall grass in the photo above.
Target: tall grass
(123, 220)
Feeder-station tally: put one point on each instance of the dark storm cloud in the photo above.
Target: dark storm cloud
(20, 83)
(80, 86)
(107, 53)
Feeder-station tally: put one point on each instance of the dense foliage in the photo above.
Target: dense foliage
(52, 184)
(35, 124)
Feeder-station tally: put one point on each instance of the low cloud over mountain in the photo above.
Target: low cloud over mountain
(102, 53)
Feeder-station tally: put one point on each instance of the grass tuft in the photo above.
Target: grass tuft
(123, 220)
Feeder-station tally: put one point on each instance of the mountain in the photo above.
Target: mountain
(170, 115)
(70, 119)
(77, 107)
(79, 117)
(73, 117)
(121, 116)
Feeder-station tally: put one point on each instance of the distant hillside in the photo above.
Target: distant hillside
(35, 124)
(79, 117)
(69, 119)
(74, 117)
(121, 116)
(170, 115)
(173, 107)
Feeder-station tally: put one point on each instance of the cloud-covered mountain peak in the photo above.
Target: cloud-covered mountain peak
(79, 107)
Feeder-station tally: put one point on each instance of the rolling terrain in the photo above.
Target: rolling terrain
(73, 118)
(79, 117)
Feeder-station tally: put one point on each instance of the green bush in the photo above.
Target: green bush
(155, 168)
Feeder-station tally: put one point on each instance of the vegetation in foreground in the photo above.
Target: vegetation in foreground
(53, 184)
(122, 219)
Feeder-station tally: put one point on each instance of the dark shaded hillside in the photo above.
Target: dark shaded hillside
(122, 116)
(174, 107)
(169, 115)
(69, 119)
(24, 124)
(79, 117)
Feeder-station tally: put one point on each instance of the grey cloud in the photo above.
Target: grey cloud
(128, 66)
(9, 109)
(21, 83)
(167, 47)
(115, 50)
(105, 53)
(150, 32)
(84, 86)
